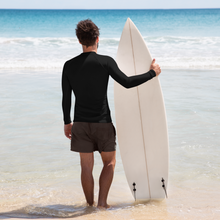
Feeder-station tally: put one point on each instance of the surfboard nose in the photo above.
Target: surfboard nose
(128, 20)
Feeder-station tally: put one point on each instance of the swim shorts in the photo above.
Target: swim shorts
(88, 137)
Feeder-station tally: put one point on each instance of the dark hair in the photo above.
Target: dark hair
(87, 32)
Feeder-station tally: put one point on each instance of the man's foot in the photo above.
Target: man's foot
(104, 207)
(94, 204)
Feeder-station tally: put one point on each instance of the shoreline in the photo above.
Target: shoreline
(183, 203)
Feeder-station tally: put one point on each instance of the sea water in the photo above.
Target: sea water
(40, 176)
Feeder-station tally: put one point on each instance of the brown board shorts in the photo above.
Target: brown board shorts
(88, 137)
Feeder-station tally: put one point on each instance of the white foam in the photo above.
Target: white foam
(51, 41)
(165, 63)
(171, 52)
(189, 62)
(38, 41)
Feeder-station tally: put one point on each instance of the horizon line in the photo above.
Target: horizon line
(105, 8)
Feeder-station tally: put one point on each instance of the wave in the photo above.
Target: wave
(37, 41)
(170, 51)
(165, 63)
(183, 39)
(51, 41)
(114, 41)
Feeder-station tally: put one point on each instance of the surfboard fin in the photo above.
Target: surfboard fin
(134, 190)
(164, 187)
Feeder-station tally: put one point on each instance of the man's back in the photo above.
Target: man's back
(87, 75)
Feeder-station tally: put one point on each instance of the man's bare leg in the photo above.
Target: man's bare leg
(87, 162)
(106, 177)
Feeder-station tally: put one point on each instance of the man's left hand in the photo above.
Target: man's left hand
(67, 130)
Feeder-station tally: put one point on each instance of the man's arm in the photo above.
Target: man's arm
(66, 102)
(132, 81)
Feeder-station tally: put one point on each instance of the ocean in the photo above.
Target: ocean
(40, 176)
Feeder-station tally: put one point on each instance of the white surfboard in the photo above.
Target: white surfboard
(141, 121)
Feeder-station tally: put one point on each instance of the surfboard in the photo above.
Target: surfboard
(141, 123)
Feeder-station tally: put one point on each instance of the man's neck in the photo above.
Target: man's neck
(89, 49)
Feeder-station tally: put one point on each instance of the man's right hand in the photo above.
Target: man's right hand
(154, 66)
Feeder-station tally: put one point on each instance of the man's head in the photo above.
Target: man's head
(87, 32)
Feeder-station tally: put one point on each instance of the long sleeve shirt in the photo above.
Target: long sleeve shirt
(87, 75)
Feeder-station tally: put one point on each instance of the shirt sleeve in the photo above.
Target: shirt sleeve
(128, 81)
(67, 93)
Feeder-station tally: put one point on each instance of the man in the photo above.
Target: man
(87, 76)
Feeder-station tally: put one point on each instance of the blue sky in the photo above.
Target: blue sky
(111, 4)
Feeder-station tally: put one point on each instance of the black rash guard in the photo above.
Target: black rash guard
(87, 75)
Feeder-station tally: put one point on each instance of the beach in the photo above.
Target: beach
(40, 176)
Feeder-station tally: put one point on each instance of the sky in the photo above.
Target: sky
(110, 4)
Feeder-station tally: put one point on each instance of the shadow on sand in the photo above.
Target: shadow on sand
(49, 211)
(65, 211)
